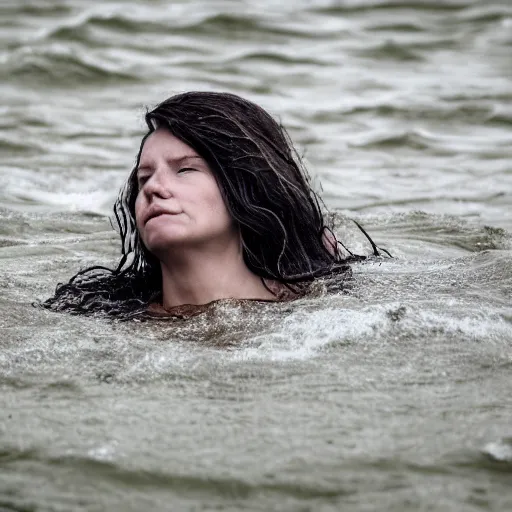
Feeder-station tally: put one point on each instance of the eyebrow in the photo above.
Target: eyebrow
(174, 160)
(184, 157)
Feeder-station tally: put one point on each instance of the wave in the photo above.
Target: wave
(500, 117)
(442, 6)
(222, 24)
(440, 143)
(226, 25)
(277, 57)
(17, 148)
(40, 9)
(58, 69)
(436, 229)
(500, 451)
(485, 14)
(410, 139)
(392, 51)
(432, 111)
(395, 26)
(116, 23)
(96, 466)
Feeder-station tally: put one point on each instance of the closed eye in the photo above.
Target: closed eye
(185, 170)
(142, 179)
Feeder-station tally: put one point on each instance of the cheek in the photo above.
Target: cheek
(217, 210)
(139, 206)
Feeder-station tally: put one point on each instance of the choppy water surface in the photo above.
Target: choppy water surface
(393, 396)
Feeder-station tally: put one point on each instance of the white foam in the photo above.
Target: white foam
(303, 334)
(499, 450)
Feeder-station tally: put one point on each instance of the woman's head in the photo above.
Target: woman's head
(219, 167)
(265, 190)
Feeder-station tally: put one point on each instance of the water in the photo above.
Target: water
(393, 396)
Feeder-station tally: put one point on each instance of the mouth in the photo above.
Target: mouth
(158, 213)
(153, 217)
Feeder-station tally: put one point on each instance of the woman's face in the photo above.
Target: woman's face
(179, 204)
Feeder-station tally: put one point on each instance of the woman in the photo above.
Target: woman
(218, 206)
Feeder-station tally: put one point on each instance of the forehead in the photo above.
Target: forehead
(162, 143)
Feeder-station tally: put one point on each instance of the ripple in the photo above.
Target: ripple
(389, 141)
(43, 8)
(500, 117)
(445, 230)
(98, 466)
(391, 5)
(485, 14)
(476, 112)
(116, 23)
(397, 27)
(61, 69)
(221, 24)
(391, 50)
(17, 148)
(276, 57)
(230, 24)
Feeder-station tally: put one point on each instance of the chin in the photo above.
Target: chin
(159, 245)
(158, 240)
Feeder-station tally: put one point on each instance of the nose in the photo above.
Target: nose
(158, 185)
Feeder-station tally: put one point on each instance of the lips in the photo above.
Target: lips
(156, 211)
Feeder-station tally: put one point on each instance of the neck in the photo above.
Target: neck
(199, 276)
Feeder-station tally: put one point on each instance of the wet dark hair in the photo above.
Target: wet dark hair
(266, 190)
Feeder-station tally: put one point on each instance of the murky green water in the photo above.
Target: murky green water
(394, 396)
